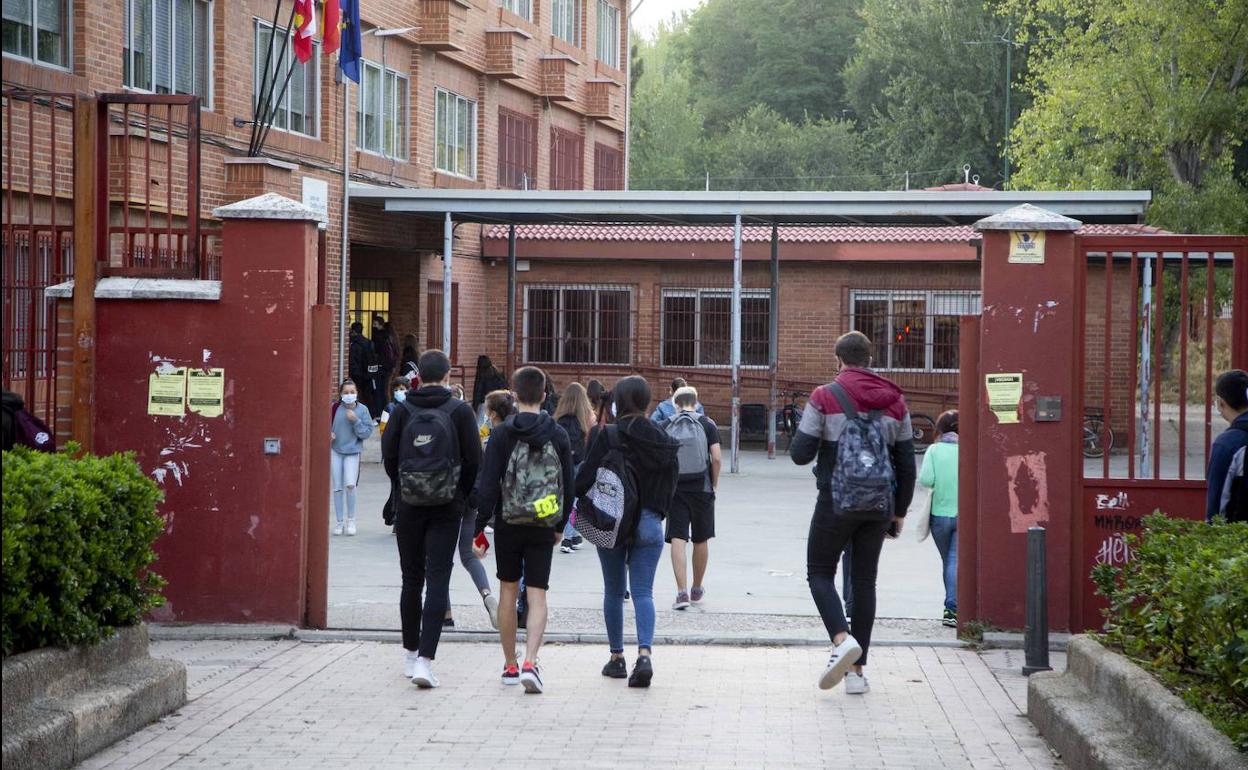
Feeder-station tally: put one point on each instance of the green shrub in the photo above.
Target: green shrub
(78, 537)
(1179, 607)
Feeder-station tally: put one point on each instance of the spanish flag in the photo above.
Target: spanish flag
(305, 27)
(331, 25)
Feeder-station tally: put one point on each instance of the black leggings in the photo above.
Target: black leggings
(829, 536)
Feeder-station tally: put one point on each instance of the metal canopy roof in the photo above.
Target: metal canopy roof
(696, 207)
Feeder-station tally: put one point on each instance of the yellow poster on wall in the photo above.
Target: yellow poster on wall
(1027, 247)
(205, 391)
(1004, 393)
(166, 392)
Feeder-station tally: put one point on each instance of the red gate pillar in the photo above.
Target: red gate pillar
(1027, 470)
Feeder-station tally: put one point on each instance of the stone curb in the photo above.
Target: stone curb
(1105, 712)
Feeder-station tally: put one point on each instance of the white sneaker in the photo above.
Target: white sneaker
(491, 606)
(856, 684)
(409, 663)
(350, 526)
(338, 528)
(843, 656)
(423, 676)
(489, 530)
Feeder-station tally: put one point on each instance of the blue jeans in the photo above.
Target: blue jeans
(945, 535)
(632, 567)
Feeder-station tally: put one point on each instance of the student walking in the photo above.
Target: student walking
(666, 410)
(526, 486)
(652, 458)
(693, 507)
(362, 366)
(576, 417)
(386, 347)
(488, 379)
(1228, 491)
(431, 450)
(351, 425)
(399, 386)
(940, 474)
(858, 430)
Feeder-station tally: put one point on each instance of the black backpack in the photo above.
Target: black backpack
(429, 457)
(864, 478)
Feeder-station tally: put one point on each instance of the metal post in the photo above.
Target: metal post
(344, 275)
(448, 241)
(773, 339)
(511, 299)
(1036, 632)
(736, 344)
(1146, 364)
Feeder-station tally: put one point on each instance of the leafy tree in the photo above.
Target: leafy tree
(667, 131)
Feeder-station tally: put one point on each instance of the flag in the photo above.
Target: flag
(305, 27)
(352, 48)
(331, 25)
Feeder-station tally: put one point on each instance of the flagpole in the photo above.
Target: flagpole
(256, 146)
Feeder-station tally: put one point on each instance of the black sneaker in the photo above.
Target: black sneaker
(448, 622)
(616, 668)
(643, 672)
(951, 619)
(577, 542)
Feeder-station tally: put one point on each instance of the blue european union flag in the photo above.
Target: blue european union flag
(352, 49)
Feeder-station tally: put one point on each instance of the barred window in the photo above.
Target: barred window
(517, 150)
(578, 324)
(608, 168)
(566, 167)
(697, 327)
(913, 330)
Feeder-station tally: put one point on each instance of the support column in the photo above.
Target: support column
(736, 345)
(511, 299)
(89, 219)
(773, 338)
(1239, 329)
(448, 243)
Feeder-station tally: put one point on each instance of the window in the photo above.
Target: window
(913, 330)
(565, 20)
(456, 139)
(435, 300)
(169, 47)
(566, 150)
(381, 115)
(368, 297)
(299, 108)
(697, 327)
(37, 30)
(519, 7)
(608, 34)
(578, 324)
(608, 168)
(517, 150)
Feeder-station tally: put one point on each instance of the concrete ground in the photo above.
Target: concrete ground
(756, 582)
(289, 704)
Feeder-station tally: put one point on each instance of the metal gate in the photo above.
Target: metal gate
(1162, 316)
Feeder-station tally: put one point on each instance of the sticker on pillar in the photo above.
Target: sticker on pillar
(205, 392)
(1027, 247)
(1027, 482)
(1004, 393)
(166, 392)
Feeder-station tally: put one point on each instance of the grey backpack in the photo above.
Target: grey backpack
(693, 457)
(863, 479)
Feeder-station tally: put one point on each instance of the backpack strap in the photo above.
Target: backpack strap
(847, 403)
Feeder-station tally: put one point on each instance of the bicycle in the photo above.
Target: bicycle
(923, 430)
(789, 416)
(1098, 438)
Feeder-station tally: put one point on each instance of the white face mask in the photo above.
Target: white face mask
(348, 398)
(400, 396)
(613, 414)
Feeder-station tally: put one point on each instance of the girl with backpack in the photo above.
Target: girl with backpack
(650, 457)
(351, 424)
(576, 418)
(940, 474)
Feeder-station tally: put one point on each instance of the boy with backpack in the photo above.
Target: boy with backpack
(526, 485)
(1228, 490)
(693, 507)
(858, 429)
(430, 449)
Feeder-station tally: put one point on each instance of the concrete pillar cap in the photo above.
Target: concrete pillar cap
(1028, 217)
(267, 206)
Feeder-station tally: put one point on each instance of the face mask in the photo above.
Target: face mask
(400, 396)
(613, 414)
(348, 398)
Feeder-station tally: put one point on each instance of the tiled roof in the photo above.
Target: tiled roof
(787, 234)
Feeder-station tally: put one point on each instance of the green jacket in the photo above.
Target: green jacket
(940, 473)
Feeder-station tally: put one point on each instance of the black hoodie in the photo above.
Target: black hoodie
(650, 450)
(536, 430)
(465, 422)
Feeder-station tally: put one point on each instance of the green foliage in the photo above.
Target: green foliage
(78, 537)
(1178, 607)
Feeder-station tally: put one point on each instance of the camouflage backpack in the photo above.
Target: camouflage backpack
(533, 486)
(429, 460)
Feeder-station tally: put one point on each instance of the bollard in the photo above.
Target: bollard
(1036, 632)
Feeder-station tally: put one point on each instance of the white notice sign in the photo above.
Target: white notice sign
(316, 197)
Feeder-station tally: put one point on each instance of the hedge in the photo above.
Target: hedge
(1179, 608)
(78, 536)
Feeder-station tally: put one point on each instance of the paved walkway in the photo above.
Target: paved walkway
(287, 704)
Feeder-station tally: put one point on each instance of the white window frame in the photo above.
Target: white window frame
(931, 299)
(312, 64)
(399, 139)
(521, 8)
(560, 318)
(459, 101)
(565, 16)
(67, 13)
(128, 71)
(698, 294)
(608, 45)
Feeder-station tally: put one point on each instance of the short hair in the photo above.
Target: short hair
(685, 397)
(501, 403)
(1232, 387)
(947, 422)
(631, 395)
(529, 384)
(433, 366)
(678, 383)
(854, 349)
(357, 327)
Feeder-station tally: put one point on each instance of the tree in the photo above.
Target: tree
(667, 130)
(1139, 94)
